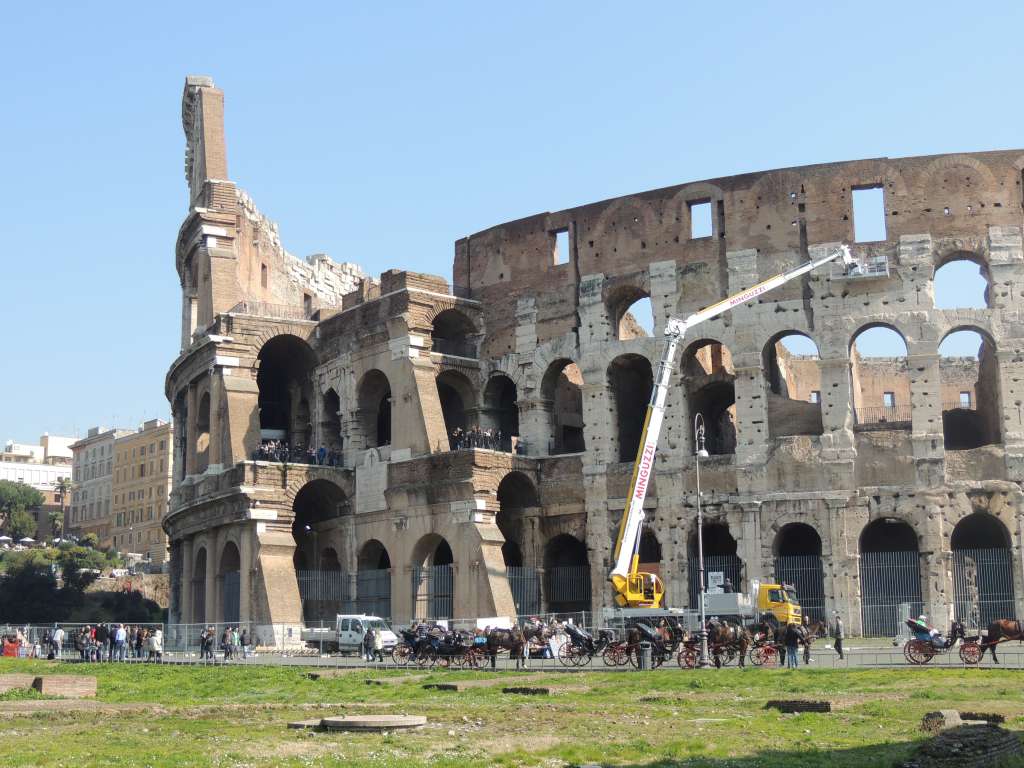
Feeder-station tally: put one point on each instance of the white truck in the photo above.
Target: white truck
(348, 632)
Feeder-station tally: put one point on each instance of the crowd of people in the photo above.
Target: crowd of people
(110, 642)
(282, 451)
(231, 642)
(492, 440)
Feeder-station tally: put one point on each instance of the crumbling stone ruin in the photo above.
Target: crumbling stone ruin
(877, 485)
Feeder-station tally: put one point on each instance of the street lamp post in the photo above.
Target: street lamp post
(701, 453)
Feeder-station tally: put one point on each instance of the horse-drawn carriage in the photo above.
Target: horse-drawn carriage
(437, 648)
(924, 647)
(580, 646)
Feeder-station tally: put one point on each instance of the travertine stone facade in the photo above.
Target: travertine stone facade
(540, 348)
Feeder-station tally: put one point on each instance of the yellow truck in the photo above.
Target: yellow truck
(776, 604)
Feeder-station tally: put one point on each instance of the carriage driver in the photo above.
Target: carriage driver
(928, 634)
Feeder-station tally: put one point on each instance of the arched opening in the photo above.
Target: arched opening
(631, 314)
(203, 434)
(501, 410)
(562, 391)
(433, 578)
(969, 370)
(723, 568)
(630, 381)
(453, 333)
(375, 409)
(797, 550)
(709, 382)
(329, 559)
(566, 575)
(792, 369)
(198, 586)
(982, 570)
(457, 398)
(517, 500)
(373, 580)
(880, 378)
(229, 577)
(330, 427)
(285, 366)
(961, 283)
(317, 508)
(649, 551)
(890, 576)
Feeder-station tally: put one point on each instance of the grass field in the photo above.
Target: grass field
(233, 716)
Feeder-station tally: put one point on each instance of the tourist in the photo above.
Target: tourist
(225, 643)
(140, 639)
(102, 633)
(155, 644)
(838, 633)
(807, 638)
(57, 640)
(792, 640)
(378, 645)
(246, 642)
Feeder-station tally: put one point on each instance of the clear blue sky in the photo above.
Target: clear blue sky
(380, 134)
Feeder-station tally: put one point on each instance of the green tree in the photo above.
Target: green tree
(90, 540)
(20, 524)
(56, 522)
(16, 497)
(29, 594)
(77, 565)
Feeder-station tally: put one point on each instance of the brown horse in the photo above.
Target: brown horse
(514, 641)
(723, 635)
(999, 630)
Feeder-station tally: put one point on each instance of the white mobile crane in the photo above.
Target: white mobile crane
(633, 588)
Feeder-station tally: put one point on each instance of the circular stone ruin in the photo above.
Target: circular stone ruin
(373, 723)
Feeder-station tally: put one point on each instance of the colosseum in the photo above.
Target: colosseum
(463, 448)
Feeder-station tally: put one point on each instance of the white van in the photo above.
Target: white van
(348, 633)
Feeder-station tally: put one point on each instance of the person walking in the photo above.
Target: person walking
(57, 640)
(378, 645)
(102, 633)
(792, 640)
(225, 643)
(368, 645)
(839, 633)
(246, 641)
(806, 630)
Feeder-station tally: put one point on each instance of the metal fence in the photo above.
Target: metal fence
(983, 586)
(567, 588)
(232, 595)
(324, 593)
(433, 590)
(884, 416)
(730, 566)
(373, 592)
(806, 574)
(888, 579)
(525, 585)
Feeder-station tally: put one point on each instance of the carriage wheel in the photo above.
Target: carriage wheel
(729, 655)
(763, 656)
(567, 654)
(918, 652)
(583, 658)
(612, 655)
(971, 653)
(633, 655)
(401, 654)
(687, 658)
(427, 657)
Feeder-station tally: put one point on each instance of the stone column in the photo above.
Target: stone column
(535, 421)
(245, 574)
(190, 430)
(837, 440)
(213, 451)
(926, 416)
(185, 599)
(210, 586)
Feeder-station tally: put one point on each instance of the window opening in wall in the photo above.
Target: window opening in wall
(869, 214)
(630, 380)
(969, 375)
(961, 284)
(708, 378)
(638, 320)
(792, 370)
(307, 304)
(815, 396)
(700, 219)
(263, 275)
(878, 367)
(560, 255)
(562, 388)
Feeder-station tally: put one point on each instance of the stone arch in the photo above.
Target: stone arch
(797, 561)
(708, 379)
(198, 586)
(517, 498)
(229, 578)
(453, 333)
(562, 395)
(458, 399)
(433, 578)
(630, 380)
(566, 575)
(316, 512)
(880, 384)
(284, 379)
(630, 310)
(202, 447)
(374, 397)
(792, 372)
(720, 557)
(954, 275)
(501, 408)
(970, 390)
(981, 549)
(890, 575)
(373, 579)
